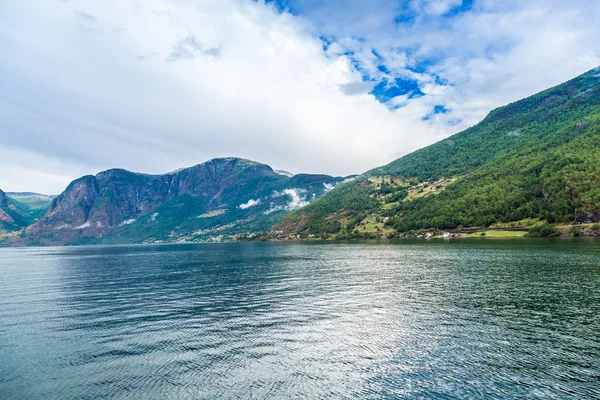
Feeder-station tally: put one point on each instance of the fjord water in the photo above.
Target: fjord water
(462, 319)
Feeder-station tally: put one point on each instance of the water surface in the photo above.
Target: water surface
(463, 319)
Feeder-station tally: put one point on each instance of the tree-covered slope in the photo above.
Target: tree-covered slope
(219, 198)
(34, 201)
(536, 158)
(13, 215)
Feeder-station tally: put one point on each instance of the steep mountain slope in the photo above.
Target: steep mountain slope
(13, 216)
(538, 158)
(220, 197)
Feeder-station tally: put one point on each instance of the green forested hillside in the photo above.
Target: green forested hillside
(34, 204)
(13, 215)
(535, 159)
(34, 201)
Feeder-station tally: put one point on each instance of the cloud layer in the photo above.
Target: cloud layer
(305, 86)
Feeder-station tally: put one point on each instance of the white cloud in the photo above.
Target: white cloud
(84, 226)
(284, 173)
(189, 48)
(63, 226)
(92, 86)
(440, 7)
(249, 203)
(127, 222)
(296, 198)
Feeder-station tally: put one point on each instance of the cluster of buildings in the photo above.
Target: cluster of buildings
(428, 235)
(448, 235)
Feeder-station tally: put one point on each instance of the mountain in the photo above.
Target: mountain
(220, 198)
(533, 163)
(34, 201)
(13, 215)
(35, 204)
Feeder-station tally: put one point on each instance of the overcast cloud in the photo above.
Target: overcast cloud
(306, 86)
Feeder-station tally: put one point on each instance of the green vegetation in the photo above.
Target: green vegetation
(526, 223)
(495, 234)
(534, 160)
(14, 215)
(33, 201)
(543, 229)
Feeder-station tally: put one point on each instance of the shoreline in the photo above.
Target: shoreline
(492, 233)
(306, 241)
(536, 231)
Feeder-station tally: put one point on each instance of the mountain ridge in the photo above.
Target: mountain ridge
(218, 198)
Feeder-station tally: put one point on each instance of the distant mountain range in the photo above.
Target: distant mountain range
(532, 164)
(19, 210)
(211, 201)
(12, 215)
(34, 201)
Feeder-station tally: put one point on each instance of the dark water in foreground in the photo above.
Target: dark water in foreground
(463, 319)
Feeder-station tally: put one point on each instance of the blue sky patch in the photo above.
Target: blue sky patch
(437, 109)
(282, 5)
(376, 54)
(406, 15)
(404, 19)
(384, 90)
(440, 109)
(326, 42)
(382, 68)
(466, 6)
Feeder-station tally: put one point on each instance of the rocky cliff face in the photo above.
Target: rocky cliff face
(92, 206)
(219, 197)
(3, 199)
(5, 218)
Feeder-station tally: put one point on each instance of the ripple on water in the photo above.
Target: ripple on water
(415, 320)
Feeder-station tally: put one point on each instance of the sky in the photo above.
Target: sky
(328, 86)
